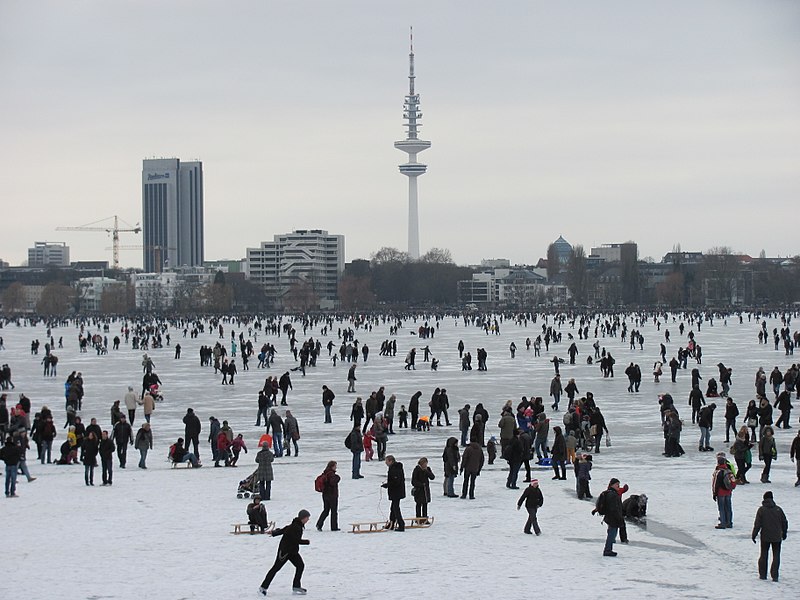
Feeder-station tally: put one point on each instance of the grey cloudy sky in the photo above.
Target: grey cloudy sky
(662, 122)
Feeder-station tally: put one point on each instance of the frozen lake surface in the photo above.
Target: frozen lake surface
(165, 533)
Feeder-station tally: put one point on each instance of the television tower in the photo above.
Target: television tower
(412, 145)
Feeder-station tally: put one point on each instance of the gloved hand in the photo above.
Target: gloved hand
(518, 507)
(754, 540)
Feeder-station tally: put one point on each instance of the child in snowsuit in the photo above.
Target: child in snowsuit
(368, 452)
(403, 416)
(237, 446)
(572, 444)
(491, 449)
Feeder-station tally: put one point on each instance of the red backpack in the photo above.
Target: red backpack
(319, 483)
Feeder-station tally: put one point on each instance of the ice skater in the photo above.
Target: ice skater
(289, 551)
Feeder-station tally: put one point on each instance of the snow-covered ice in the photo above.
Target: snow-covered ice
(165, 533)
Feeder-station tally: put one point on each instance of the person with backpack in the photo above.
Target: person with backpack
(327, 484)
(355, 444)
(533, 499)
(722, 486)
(609, 506)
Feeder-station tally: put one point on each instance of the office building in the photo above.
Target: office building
(172, 214)
(48, 254)
(312, 257)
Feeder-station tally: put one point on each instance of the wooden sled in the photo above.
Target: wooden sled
(244, 529)
(378, 526)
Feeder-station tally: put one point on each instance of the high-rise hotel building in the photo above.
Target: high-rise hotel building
(172, 213)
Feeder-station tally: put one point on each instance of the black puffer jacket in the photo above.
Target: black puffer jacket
(291, 537)
(771, 522)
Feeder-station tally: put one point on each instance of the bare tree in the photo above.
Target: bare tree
(577, 274)
(437, 256)
(389, 255)
(14, 298)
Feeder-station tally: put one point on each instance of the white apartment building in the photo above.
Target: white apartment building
(310, 256)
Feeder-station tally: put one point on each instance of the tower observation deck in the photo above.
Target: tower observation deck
(412, 146)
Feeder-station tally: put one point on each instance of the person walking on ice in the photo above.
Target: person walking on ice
(533, 499)
(772, 524)
(289, 551)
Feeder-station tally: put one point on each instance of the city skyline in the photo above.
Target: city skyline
(601, 123)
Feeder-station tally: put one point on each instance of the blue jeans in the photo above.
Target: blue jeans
(47, 448)
(142, 458)
(328, 414)
(611, 537)
(448, 485)
(556, 400)
(23, 466)
(277, 443)
(464, 434)
(705, 437)
(725, 511)
(540, 445)
(11, 480)
(356, 464)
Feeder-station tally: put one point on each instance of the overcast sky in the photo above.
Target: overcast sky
(661, 122)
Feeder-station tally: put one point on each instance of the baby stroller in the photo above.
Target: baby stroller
(248, 487)
(155, 392)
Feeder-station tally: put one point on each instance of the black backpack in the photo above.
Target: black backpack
(600, 505)
(348, 442)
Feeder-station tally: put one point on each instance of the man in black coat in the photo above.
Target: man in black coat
(289, 551)
(284, 383)
(122, 435)
(192, 428)
(772, 524)
(612, 514)
(533, 499)
(396, 490)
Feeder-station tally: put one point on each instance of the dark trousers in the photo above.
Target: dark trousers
(108, 468)
(469, 481)
(741, 468)
(767, 466)
(122, 453)
(556, 465)
(730, 425)
(131, 415)
(395, 516)
(784, 418)
(776, 560)
(532, 521)
(281, 560)
(329, 505)
(195, 441)
(422, 508)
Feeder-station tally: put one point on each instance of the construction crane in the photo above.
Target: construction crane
(114, 231)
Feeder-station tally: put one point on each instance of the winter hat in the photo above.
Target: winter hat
(721, 460)
(534, 482)
(303, 514)
(613, 481)
(768, 495)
